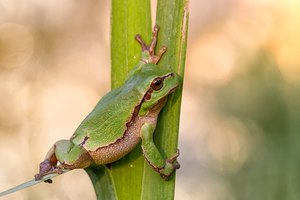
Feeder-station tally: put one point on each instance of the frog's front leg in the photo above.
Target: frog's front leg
(153, 156)
(148, 51)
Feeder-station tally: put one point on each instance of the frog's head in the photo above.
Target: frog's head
(160, 84)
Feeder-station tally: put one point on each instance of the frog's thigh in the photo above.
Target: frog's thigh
(71, 154)
(150, 151)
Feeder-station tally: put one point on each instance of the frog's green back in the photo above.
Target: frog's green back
(107, 122)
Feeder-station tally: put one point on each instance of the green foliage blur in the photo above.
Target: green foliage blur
(268, 106)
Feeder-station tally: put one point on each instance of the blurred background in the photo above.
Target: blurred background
(240, 122)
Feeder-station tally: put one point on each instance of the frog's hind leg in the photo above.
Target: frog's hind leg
(64, 155)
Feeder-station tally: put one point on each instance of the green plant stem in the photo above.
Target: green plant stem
(102, 182)
(131, 177)
(129, 17)
(172, 17)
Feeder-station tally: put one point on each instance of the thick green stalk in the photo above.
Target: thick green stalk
(172, 17)
(131, 177)
(102, 182)
(128, 18)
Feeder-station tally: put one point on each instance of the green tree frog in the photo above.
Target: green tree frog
(120, 120)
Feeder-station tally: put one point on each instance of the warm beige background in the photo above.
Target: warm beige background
(54, 66)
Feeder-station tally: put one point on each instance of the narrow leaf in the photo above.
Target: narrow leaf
(30, 183)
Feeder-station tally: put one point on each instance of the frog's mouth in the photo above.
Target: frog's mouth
(173, 90)
(163, 100)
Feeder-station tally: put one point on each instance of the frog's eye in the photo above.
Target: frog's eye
(157, 84)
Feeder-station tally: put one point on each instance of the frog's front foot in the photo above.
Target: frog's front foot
(148, 55)
(171, 165)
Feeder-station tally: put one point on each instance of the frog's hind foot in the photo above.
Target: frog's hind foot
(150, 56)
(47, 167)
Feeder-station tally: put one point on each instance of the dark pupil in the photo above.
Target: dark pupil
(157, 84)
